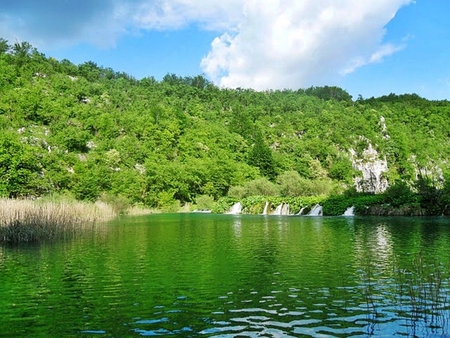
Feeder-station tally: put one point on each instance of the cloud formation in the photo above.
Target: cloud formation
(292, 44)
(171, 14)
(261, 45)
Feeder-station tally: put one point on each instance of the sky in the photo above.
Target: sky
(367, 47)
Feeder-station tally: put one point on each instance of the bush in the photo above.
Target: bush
(261, 187)
(223, 205)
(204, 202)
(429, 195)
(363, 202)
(167, 203)
(290, 183)
(119, 203)
(237, 192)
(336, 205)
(400, 194)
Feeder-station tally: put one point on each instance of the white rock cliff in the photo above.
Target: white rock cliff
(372, 169)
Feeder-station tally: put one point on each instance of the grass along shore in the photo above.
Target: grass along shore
(31, 221)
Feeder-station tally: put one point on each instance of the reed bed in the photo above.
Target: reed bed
(31, 221)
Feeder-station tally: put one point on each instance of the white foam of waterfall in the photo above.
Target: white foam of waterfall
(282, 209)
(349, 211)
(266, 207)
(301, 211)
(235, 209)
(316, 211)
(278, 210)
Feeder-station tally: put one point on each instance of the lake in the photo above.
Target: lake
(206, 275)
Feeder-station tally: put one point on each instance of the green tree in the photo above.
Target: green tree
(4, 46)
(261, 157)
(429, 195)
(290, 183)
(261, 187)
(399, 194)
(20, 171)
(22, 50)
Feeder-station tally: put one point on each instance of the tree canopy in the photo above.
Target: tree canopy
(87, 130)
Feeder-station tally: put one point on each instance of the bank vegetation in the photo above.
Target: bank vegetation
(96, 134)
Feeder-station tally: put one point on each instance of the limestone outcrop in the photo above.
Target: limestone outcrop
(372, 168)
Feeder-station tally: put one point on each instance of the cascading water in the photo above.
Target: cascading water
(278, 210)
(316, 211)
(285, 209)
(349, 211)
(282, 209)
(301, 211)
(266, 207)
(235, 209)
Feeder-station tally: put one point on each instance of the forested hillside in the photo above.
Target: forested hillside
(88, 131)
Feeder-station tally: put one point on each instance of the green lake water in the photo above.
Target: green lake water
(206, 275)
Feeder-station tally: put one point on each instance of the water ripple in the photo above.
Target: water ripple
(198, 278)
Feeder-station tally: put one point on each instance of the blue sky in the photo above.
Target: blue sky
(371, 47)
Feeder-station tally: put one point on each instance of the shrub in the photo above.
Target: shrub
(223, 205)
(290, 183)
(237, 192)
(400, 194)
(429, 195)
(119, 204)
(363, 202)
(261, 187)
(204, 202)
(167, 203)
(336, 205)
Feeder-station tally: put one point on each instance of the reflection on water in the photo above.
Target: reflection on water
(233, 275)
(237, 226)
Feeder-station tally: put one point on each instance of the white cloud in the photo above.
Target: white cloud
(378, 56)
(172, 14)
(292, 44)
(261, 44)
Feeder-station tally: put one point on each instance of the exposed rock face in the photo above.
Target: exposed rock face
(372, 169)
(383, 128)
(430, 170)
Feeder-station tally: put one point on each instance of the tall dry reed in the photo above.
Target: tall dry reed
(28, 221)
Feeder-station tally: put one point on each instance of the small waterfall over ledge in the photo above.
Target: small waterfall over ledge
(349, 212)
(236, 209)
(316, 211)
(301, 211)
(266, 207)
(282, 209)
(277, 210)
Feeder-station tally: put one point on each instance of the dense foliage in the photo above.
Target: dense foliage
(87, 130)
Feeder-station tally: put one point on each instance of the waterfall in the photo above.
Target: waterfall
(266, 207)
(285, 209)
(282, 209)
(235, 209)
(278, 210)
(301, 211)
(316, 211)
(349, 211)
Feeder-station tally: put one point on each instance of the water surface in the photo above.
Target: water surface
(203, 275)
